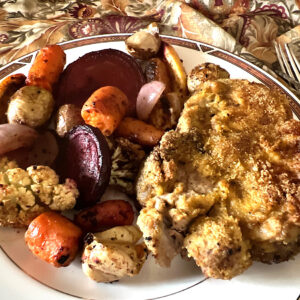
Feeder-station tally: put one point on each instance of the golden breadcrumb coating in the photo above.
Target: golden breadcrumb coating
(236, 146)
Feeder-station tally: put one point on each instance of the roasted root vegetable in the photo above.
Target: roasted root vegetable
(113, 254)
(177, 72)
(105, 215)
(46, 68)
(166, 112)
(31, 106)
(53, 238)
(203, 73)
(139, 132)
(24, 194)
(149, 95)
(8, 87)
(43, 151)
(144, 43)
(85, 157)
(68, 116)
(157, 70)
(98, 69)
(105, 109)
(14, 136)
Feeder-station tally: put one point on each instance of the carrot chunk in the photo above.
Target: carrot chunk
(46, 68)
(139, 132)
(105, 109)
(53, 238)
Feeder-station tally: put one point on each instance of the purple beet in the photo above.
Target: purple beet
(86, 159)
(108, 67)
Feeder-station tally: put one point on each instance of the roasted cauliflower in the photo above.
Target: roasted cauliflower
(112, 254)
(24, 194)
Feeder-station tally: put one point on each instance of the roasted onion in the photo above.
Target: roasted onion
(15, 136)
(148, 96)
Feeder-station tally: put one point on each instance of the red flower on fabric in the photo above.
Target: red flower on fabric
(82, 11)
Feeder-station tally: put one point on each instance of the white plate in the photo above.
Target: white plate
(24, 276)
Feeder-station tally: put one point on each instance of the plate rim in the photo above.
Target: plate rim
(261, 74)
(179, 41)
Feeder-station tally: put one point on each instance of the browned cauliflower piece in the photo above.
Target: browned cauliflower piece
(113, 254)
(6, 164)
(24, 194)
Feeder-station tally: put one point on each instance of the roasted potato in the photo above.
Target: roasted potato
(105, 215)
(31, 106)
(53, 238)
(8, 87)
(176, 69)
(203, 73)
(144, 43)
(68, 116)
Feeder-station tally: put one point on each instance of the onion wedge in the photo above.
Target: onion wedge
(15, 136)
(148, 96)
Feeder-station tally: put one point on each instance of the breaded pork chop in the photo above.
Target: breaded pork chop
(227, 180)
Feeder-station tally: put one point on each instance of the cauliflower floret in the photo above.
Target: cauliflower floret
(43, 174)
(43, 191)
(17, 206)
(18, 176)
(6, 164)
(24, 194)
(113, 254)
(25, 198)
(64, 195)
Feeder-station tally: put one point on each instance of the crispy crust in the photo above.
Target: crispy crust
(247, 169)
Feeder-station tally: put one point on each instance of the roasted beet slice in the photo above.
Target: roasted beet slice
(85, 158)
(97, 69)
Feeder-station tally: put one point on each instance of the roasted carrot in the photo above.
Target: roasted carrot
(53, 238)
(139, 132)
(46, 68)
(105, 109)
(8, 87)
(105, 215)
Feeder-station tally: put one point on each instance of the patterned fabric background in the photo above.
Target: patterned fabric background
(245, 27)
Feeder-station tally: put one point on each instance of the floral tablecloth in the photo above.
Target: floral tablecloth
(245, 27)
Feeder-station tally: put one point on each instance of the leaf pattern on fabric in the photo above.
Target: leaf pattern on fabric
(105, 25)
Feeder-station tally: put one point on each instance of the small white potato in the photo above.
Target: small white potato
(31, 106)
(68, 116)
